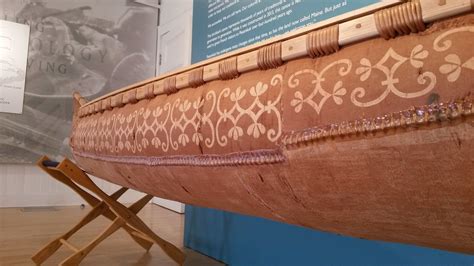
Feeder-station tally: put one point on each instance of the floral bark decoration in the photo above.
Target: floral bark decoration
(234, 113)
(388, 66)
(168, 127)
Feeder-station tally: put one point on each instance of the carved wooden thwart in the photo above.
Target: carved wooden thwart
(72, 176)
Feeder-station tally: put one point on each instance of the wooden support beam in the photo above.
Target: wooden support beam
(68, 173)
(91, 200)
(116, 224)
(357, 30)
(69, 245)
(433, 10)
(211, 72)
(48, 250)
(78, 176)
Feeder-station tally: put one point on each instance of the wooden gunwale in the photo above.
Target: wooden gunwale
(293, 34)
(354, 26)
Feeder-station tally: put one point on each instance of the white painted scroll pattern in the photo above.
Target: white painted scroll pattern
(417, 55)
(171, 123)
(388, 66)
(454, 64)
(256, 128)
(338, 90)
(168, 127)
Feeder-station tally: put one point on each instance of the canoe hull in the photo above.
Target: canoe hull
(375, 141)
(401, 187)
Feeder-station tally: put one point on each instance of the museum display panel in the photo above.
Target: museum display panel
(89, 46)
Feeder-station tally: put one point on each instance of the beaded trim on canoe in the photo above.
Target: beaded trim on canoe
(258, 157)
(426, 114)
(413, 116)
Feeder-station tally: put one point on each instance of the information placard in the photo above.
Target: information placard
(220, 26)
(13, 60)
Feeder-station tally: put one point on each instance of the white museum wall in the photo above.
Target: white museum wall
(23, 185)
(174, 45)
(171, 9)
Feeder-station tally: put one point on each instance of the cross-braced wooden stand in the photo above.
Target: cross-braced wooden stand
(72, 176)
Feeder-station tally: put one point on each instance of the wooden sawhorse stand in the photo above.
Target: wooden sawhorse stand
(72, 176)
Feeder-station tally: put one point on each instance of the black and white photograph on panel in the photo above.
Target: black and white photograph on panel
(89, 46)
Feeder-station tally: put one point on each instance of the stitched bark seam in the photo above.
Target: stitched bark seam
(258, 157)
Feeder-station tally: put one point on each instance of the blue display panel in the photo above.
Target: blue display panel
(244, 240)
(220, 26)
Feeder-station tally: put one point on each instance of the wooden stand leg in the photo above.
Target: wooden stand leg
(91, 200)
(54, 245)
(117, 224)
(81, 178)
(71, 175)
